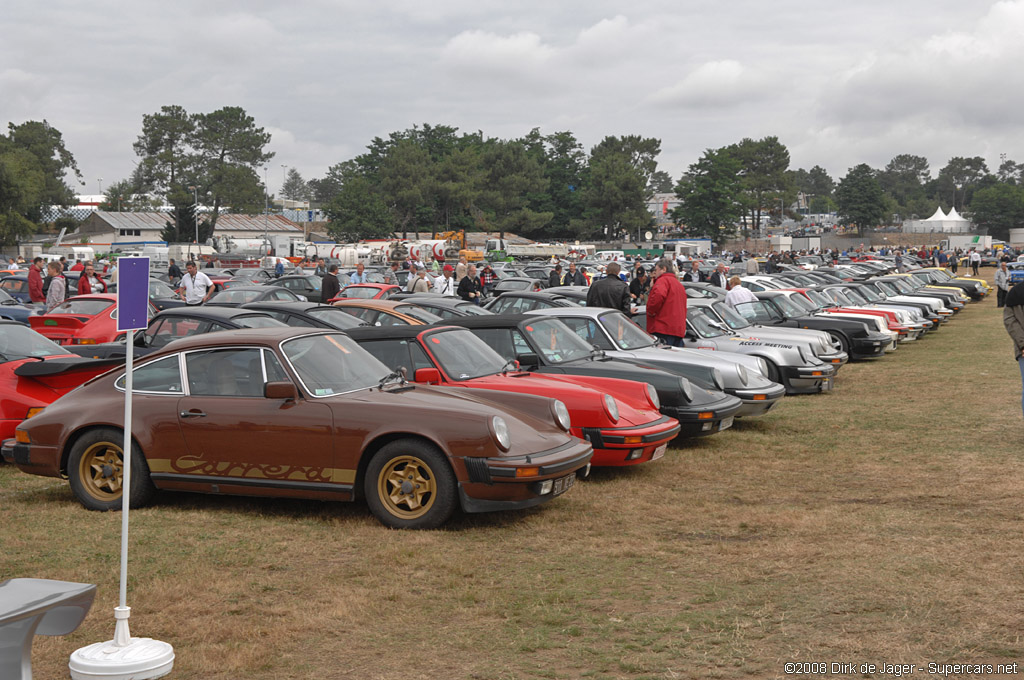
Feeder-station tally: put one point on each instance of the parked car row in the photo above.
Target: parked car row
(421, 404)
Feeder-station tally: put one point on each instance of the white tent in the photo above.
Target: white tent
(939, 216)
(939, 222)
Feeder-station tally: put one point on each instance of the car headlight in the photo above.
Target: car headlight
(762, 365)
(718, 379)
(652, 396)
(561, 415)
(501, 434)
(741, 371)
(611, 408)
(687, 388)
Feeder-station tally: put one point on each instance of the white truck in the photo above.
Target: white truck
(500, 248)
(966, 242)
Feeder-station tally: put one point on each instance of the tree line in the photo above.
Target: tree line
(436, 178)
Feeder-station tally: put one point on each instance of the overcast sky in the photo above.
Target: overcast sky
(839, 82)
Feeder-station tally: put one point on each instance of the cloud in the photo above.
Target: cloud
(714, 84)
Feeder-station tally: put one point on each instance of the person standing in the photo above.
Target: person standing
(555, 277)
(173, 273)
(196, 287)
(58, 286)
(1002, 284)
(420, 284)
(470, 287)
(975, 260)
(666, 305)
(574, 277)
(330, 286)
(35, 281)
(1013, 321)
(391, 274)
(611, 291)
(460, 269)
(694, 275)
(359, 276)
(445, 284)
(954, 262)
(718, 278)
(639, 287)
(90, 281)
(278, 268)
(738, 294)
(752, 266)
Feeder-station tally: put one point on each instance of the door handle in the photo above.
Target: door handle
(192, 414)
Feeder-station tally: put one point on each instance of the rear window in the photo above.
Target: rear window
(83, 307)
(258, 321)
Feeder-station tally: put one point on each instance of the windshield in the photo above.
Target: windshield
(869, 293)
(83, 307)
(623, 332)
(556, 341)
(855, 296)
(332, 364)
(464, 356)
(258, 321)
(820, 299)
(418, 313)
(238, 297)
(906, 285)
(800, 302)
(6, 299)
(701, 319)
(159, 289)
(359, 292)
(734, 320)
(21, 342)
(840, 298)
(335, 317)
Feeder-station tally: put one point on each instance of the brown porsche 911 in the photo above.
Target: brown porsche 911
(290, 412)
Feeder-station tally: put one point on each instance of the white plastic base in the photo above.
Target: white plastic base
(140, 659)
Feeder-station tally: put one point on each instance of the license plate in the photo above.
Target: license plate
(563, 484)
(826, 385)
(725, 424)
(659, 452)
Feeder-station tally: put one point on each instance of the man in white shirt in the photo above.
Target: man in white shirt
(445, 284)
(359, 276)
(196, 287)
(738, 294)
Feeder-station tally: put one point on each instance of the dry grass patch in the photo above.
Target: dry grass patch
(880, 522)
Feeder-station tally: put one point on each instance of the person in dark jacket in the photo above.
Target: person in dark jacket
(35, 281)
(174, 274)
(666, 305)
(611, 291)
(574, 277)
(555, 277)
(1013, 321)
(470, 288)
(639, 287)
(330, 286)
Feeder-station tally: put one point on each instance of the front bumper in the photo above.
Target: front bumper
(499, 483)
(871, 345)
(808, 379)
(758, 402)
(700, 420)
(617, 446)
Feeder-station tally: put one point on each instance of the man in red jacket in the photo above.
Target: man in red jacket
(35, 281)
(666, 305)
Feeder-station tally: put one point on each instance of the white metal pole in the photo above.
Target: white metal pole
(122, 636)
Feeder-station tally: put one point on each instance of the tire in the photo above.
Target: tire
(773, 371)
(844, 344)
(410, 485)
(95, 471)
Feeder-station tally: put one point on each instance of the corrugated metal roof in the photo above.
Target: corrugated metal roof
(225, 223)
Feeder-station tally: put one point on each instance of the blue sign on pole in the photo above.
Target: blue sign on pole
(132, 293)
(310, 216)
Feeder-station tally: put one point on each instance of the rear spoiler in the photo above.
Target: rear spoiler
(62, 321)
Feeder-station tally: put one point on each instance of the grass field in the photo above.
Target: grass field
(880, 523)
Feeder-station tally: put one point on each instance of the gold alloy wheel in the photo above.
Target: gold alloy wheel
(101, 470)
(406, 487)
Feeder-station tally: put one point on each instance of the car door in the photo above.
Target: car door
(242, 442)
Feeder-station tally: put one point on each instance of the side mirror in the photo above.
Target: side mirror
(280, 390)
(528, 361)
(141, 340)
(690, 335)
(431, 376)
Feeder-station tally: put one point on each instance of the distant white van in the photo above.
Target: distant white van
(610, 255)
